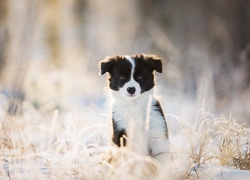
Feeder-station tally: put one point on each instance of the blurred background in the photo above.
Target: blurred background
(50, 50)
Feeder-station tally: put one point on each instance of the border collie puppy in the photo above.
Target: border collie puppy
(138, 119)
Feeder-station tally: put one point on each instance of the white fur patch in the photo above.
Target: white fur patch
(131, 115)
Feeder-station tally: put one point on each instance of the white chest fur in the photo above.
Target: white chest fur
(144, 130)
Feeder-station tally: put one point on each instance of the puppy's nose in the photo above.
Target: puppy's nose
(131, 90)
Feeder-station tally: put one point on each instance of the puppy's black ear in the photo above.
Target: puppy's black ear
(155, 63)
(106, 65)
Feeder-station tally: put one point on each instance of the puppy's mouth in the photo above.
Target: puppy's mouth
(131, 96)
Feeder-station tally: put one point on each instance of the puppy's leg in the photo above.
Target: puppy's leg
(118, 134)
(160, 150)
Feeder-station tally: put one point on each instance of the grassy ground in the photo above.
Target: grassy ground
(75, 144)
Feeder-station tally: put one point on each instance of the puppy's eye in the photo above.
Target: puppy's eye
(140, 77)
(122, 78)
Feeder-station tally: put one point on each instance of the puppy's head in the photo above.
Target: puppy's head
(131, 75)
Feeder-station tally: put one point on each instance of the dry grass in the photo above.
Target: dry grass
(212, 140)
(67, 145)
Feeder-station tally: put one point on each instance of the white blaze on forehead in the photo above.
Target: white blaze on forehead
(132, 61)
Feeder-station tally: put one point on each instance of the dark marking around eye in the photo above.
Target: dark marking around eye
(122, 78)
(139, 77)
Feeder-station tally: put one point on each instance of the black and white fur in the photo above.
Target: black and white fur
(138, 119)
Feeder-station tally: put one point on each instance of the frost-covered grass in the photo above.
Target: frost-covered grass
(75, 144)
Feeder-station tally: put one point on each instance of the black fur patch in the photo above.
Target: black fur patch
(153, 61)
(159, 109)
(118, 134)
(119, 69)
(143, 73)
